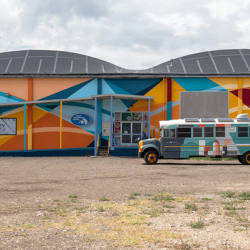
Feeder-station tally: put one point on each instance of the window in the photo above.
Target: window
(169, 133)
(220, 131)
(184, 132)
(208, 132)
(172, 133)
(242, 131)
(197, 132)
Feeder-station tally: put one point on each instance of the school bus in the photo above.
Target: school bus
(199, 137)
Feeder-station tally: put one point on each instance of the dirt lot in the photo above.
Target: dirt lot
(121, 203)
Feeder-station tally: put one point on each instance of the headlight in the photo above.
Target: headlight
(140, 146)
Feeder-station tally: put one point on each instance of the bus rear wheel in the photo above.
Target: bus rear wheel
(246, 158)
(151, 157)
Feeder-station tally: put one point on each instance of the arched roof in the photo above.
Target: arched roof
(47, 63)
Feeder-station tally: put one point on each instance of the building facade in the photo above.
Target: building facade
(61, 103)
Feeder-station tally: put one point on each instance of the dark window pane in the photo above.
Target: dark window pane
(184, 132)
(220, 131)
(126, 138)
(242, 131)
(208, 132)
(197, 132)
(136, 128)
(126, 128)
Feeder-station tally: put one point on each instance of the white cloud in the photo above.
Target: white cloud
(132, 34)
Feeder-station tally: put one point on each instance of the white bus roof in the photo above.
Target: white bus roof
(191, 121)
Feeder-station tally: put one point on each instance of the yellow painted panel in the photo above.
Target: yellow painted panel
(158, 93)
(227, 83)
(246, 82)
(30, 132)
(38, 113)
(176, 89)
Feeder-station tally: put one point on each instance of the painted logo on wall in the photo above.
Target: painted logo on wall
(81, 119)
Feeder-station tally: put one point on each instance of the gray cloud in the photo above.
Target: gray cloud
(132, 34)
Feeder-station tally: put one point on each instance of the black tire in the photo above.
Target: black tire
(151, 157)
(240, 159)
(246, 158)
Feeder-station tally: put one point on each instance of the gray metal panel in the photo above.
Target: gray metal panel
(223, 64)
(3, 65)
(191, 120)
(63, 66)
(203, 104)
(225, 119)
(207, 120)
(47, 65)
(192, 67)
(239, 65)
(16, 65)
(207, 66)
(56, 63)
(177, 67)
(31, 65)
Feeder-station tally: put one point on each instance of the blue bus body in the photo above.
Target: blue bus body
(184, 138)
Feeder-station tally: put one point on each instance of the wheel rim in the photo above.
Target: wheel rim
(248, 158)
(152, 158)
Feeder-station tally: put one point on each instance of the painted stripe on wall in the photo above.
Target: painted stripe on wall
(169, 99)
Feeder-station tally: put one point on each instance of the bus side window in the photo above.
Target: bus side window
(184, 132)
(197, 132)
(166, 133)
(208, 132)
(220, 131)
(172, 133)
(242, 131)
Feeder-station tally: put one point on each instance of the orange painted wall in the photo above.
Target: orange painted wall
(17, 87)
(47, 86)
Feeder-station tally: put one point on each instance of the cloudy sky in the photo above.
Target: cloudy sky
(133, 34)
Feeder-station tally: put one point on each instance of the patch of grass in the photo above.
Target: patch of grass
(191, 207)
(74, 201)
(28, 226)
(206, 199)
(197, 224)
(73, 196)
(155, 212)
(205, 207)
(163, 196)
(244, 196)
(227, 194)
(213, 158)
(168, 206)
(136, 194)
(231, 213)
(56, 200)
(68, 223)
(80, 209)
(104, 198)
(232, 207)
(100, 209)
(147, 194)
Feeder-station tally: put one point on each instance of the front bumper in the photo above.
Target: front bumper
(140, 154)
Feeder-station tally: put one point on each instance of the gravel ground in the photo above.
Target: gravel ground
(122, 203)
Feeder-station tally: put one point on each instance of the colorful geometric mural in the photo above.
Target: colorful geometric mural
(43, 120)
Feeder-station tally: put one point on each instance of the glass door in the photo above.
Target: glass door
(126, 132)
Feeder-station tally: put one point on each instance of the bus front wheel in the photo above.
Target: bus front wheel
(240, 158)
(246, 158)
(151, 157)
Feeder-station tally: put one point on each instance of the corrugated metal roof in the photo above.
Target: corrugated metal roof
(46, 63)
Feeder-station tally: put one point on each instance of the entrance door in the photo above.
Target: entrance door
(126, 132)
